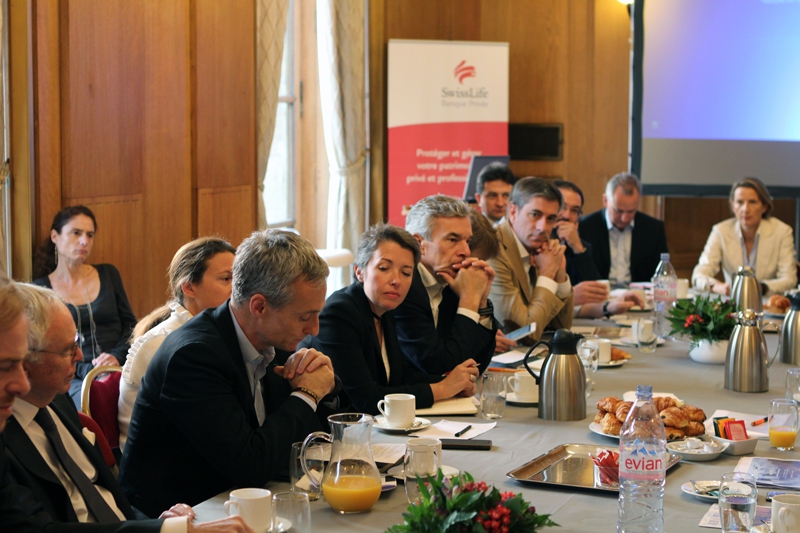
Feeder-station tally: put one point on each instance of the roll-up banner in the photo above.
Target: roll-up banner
(447, 101)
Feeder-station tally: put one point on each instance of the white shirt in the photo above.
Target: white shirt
(24, 413)
(435, 288)
(561, 290)
(256, 363)
(140, 354)
(619, 242)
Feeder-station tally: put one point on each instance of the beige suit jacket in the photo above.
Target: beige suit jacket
(515, 302)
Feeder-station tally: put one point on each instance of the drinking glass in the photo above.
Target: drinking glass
(737, 502)
(588, 351)
(423, 458)
(793, 384)
(646, 335)
(315, 462)
(493, 395)
(291, 512)
(783, 424)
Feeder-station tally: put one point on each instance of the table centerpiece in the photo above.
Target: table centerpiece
(708, 323)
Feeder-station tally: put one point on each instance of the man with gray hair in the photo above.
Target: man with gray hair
(446, 318)
(531, 285)
(626, 244)
(222, 400)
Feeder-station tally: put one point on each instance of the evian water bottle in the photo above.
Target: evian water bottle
(665, 292)
(642, 467)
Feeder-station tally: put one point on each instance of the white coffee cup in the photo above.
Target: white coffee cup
(604, 351)
(253, 505)
(635, 331)
(683, 288)
(606, 283)
(786, 513)
(398, 409)
(524, 387)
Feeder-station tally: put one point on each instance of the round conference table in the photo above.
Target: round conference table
(521, 436)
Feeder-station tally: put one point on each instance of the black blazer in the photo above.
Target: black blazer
(348, 336)
(648, 242)
(452, 341)
(580, 267)
(30, 471)
(194, 431)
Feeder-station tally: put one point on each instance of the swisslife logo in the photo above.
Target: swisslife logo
(464, 95)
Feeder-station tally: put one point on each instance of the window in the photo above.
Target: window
(279, 184)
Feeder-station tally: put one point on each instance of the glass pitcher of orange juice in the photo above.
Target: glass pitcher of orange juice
(351, 482)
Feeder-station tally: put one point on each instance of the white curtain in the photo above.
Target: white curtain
(271, 18)
(340, 47)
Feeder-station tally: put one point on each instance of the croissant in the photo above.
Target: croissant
(694, 429)
(623, 408)
(674, 433)
(674, 417)
(779, 303)
(598, 418)
(608, 404)
(694, 414)
(664, 402)
(610, 424)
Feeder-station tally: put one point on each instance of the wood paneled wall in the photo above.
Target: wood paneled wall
(145, 112)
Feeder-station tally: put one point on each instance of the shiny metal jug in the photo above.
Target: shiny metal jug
(562, 380)
(790, 333)
(747, 360)
(746, 291)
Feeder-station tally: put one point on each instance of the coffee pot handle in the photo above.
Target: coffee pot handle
(528, 355)
(780, 340)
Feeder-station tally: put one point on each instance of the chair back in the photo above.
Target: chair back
(99, 400)
(102, 442)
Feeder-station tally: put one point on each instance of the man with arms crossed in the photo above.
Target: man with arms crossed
(218, 408)
(48, 450)
(495, 182)
(531, 284)
(626, 245)
(446, 318)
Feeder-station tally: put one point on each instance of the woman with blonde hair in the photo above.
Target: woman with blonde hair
(199, 278)
(751, 238)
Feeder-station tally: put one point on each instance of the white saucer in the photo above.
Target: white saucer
(380, 423)
(623, 321)
(512, 399)
(628, 341)
(397, 472)
(612, 364)
(283, 525)
(688, 489)
(597, 428)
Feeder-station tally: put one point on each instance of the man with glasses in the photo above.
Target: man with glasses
(51, 456)
(626, 244)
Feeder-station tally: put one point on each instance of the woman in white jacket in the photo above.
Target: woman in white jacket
(199, 278)
(752, 238)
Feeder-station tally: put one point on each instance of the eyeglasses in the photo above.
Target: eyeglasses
(69, 353)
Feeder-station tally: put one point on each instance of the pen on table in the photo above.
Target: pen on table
(463, 431)
(759, 421)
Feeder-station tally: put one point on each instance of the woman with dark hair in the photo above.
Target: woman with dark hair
(357, 329)
(93, 293)
(200, 278)
(751, 238)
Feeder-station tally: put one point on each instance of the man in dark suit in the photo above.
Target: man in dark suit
(217, 408)
(446, 317)
(50, 455)
(627, 245)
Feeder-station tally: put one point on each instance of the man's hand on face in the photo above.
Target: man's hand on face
(588, 292)
(568, 234)
(310, 369)
(550, 261)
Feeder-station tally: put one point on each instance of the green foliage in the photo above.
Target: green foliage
(703, 318)
(460, 505)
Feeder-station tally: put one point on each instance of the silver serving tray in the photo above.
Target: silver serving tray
(570, 465)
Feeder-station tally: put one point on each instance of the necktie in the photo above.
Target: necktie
(258, 397)
(94, 501)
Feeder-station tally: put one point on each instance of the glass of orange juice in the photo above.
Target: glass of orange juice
(783, 423)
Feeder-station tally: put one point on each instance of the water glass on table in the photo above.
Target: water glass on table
(315, 462)
(783, 424)
(793, 384)
(291, 512)
(738, 496)
(646, 335)
(423, 458)
(589, 353)
(493, 395)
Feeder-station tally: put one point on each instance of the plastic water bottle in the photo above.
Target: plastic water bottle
(642, 467)
(665, 292)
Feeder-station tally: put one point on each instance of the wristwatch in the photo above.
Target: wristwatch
(605, 310)
(488, 310)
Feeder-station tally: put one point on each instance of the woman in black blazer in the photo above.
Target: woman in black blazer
(357, 328)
